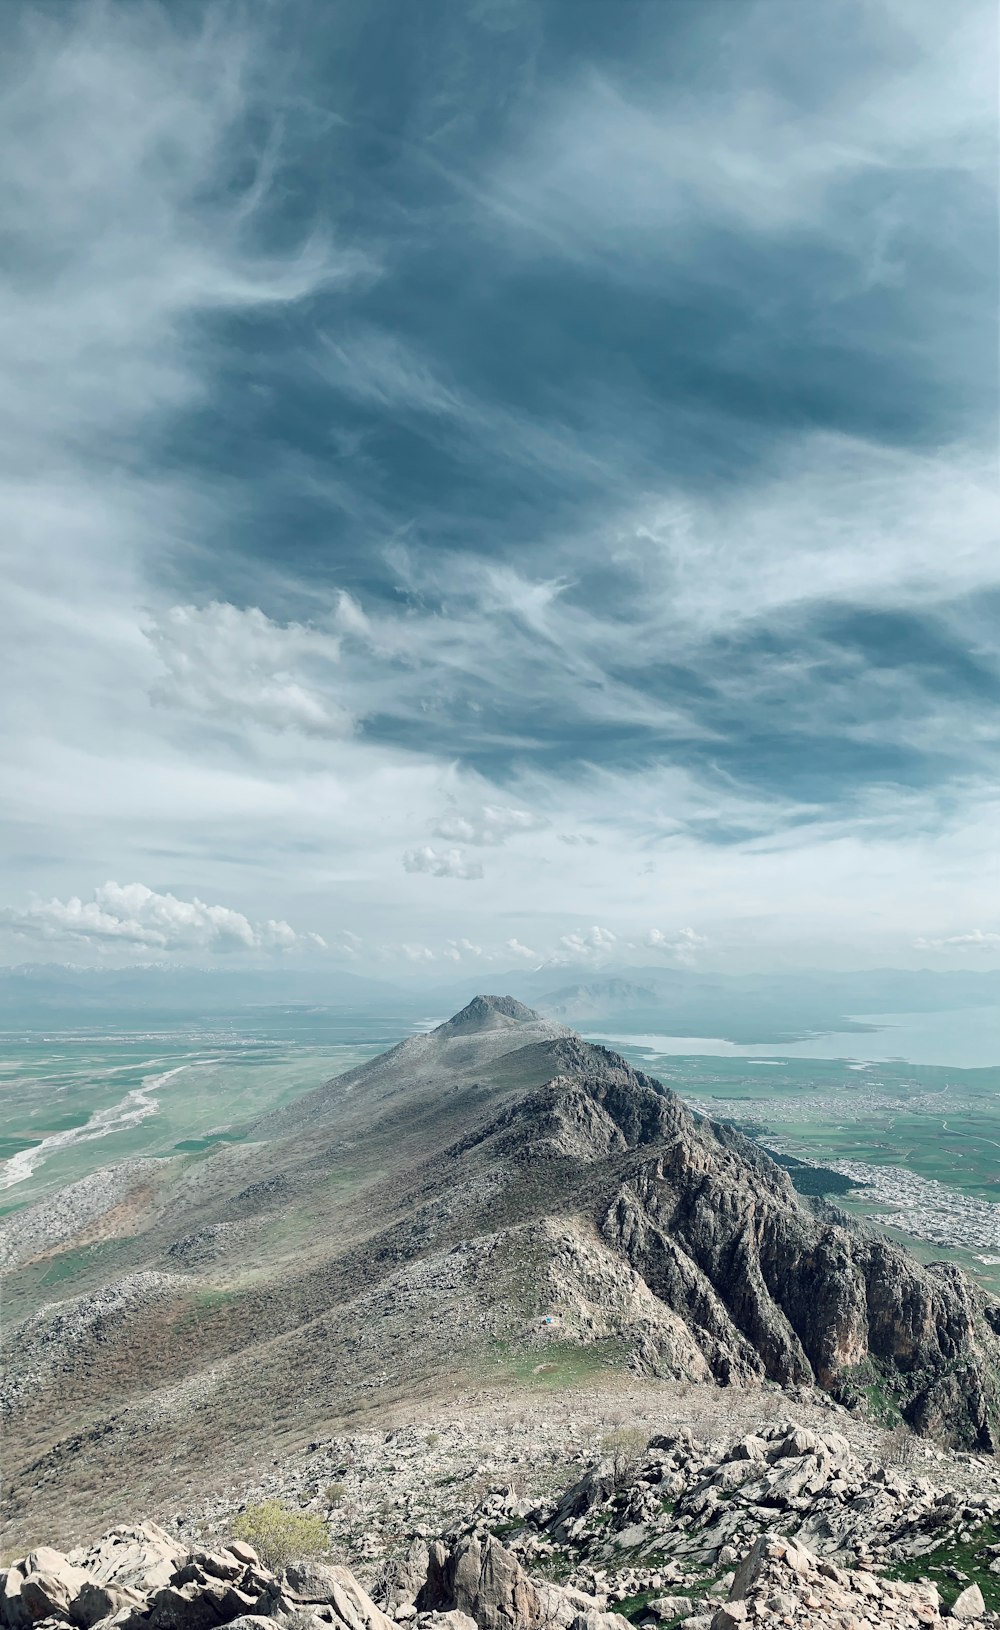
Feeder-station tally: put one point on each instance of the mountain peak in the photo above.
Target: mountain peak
(487, 1013)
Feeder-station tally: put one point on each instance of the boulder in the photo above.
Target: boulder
(970, 1605)
(96, 1602)
(731, 1617)
(43, 1585)
(243, 1552)
(671, 1607)
(479, 1577)
(141, 1556)
(447, 1621)
(561, 1604)
(193, 1606)
(333, 1586)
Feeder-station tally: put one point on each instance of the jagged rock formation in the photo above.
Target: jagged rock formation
(472, 1193)
(684, 1508)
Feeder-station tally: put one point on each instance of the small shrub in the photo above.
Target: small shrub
(333, 1495)
(432, 1439)
(625, 1447)
(625, 1442)
(280, 1535)
(898, 1446)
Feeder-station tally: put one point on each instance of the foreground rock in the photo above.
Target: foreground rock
(139, 1577)
(684, 1515)
(786, 1526)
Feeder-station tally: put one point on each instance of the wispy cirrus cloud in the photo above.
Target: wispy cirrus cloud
(358, 496)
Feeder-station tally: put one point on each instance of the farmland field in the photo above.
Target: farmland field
(75, 1100)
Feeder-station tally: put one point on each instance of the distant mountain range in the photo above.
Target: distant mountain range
(30, 989)
(766, 1008)
(761, 1008)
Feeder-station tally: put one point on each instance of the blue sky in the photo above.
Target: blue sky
(502, 479)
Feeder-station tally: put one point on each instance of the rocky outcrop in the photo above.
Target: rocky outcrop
(488, 1013)
(139, 1579)
(481, 1579)
(782, 1582)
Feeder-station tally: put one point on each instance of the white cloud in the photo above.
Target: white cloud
(603, 166)
(492, 825)
(515, 947)
(441, 862)
(244, 668)
(133, 915)
(976, 940)
(683, 944)
(591, 943)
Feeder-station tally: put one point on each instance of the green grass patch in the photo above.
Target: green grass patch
(954, 1557)
(557, 1364)
(209, 1141)
(74, 1264)
(633, 1607)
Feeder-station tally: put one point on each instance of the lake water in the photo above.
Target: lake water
(968, 1038)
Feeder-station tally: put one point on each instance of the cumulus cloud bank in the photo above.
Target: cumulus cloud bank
(684, 944)
(490, 826)
(132, 915)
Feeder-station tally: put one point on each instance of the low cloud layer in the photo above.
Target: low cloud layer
(976, 940)
(132, 915)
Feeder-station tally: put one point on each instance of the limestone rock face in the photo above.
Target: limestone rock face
(479, 1577)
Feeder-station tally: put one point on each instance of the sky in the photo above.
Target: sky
(495, 481)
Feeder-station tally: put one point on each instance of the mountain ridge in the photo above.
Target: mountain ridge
(416, 1219)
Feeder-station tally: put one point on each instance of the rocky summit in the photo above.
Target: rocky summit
(494, 1206)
